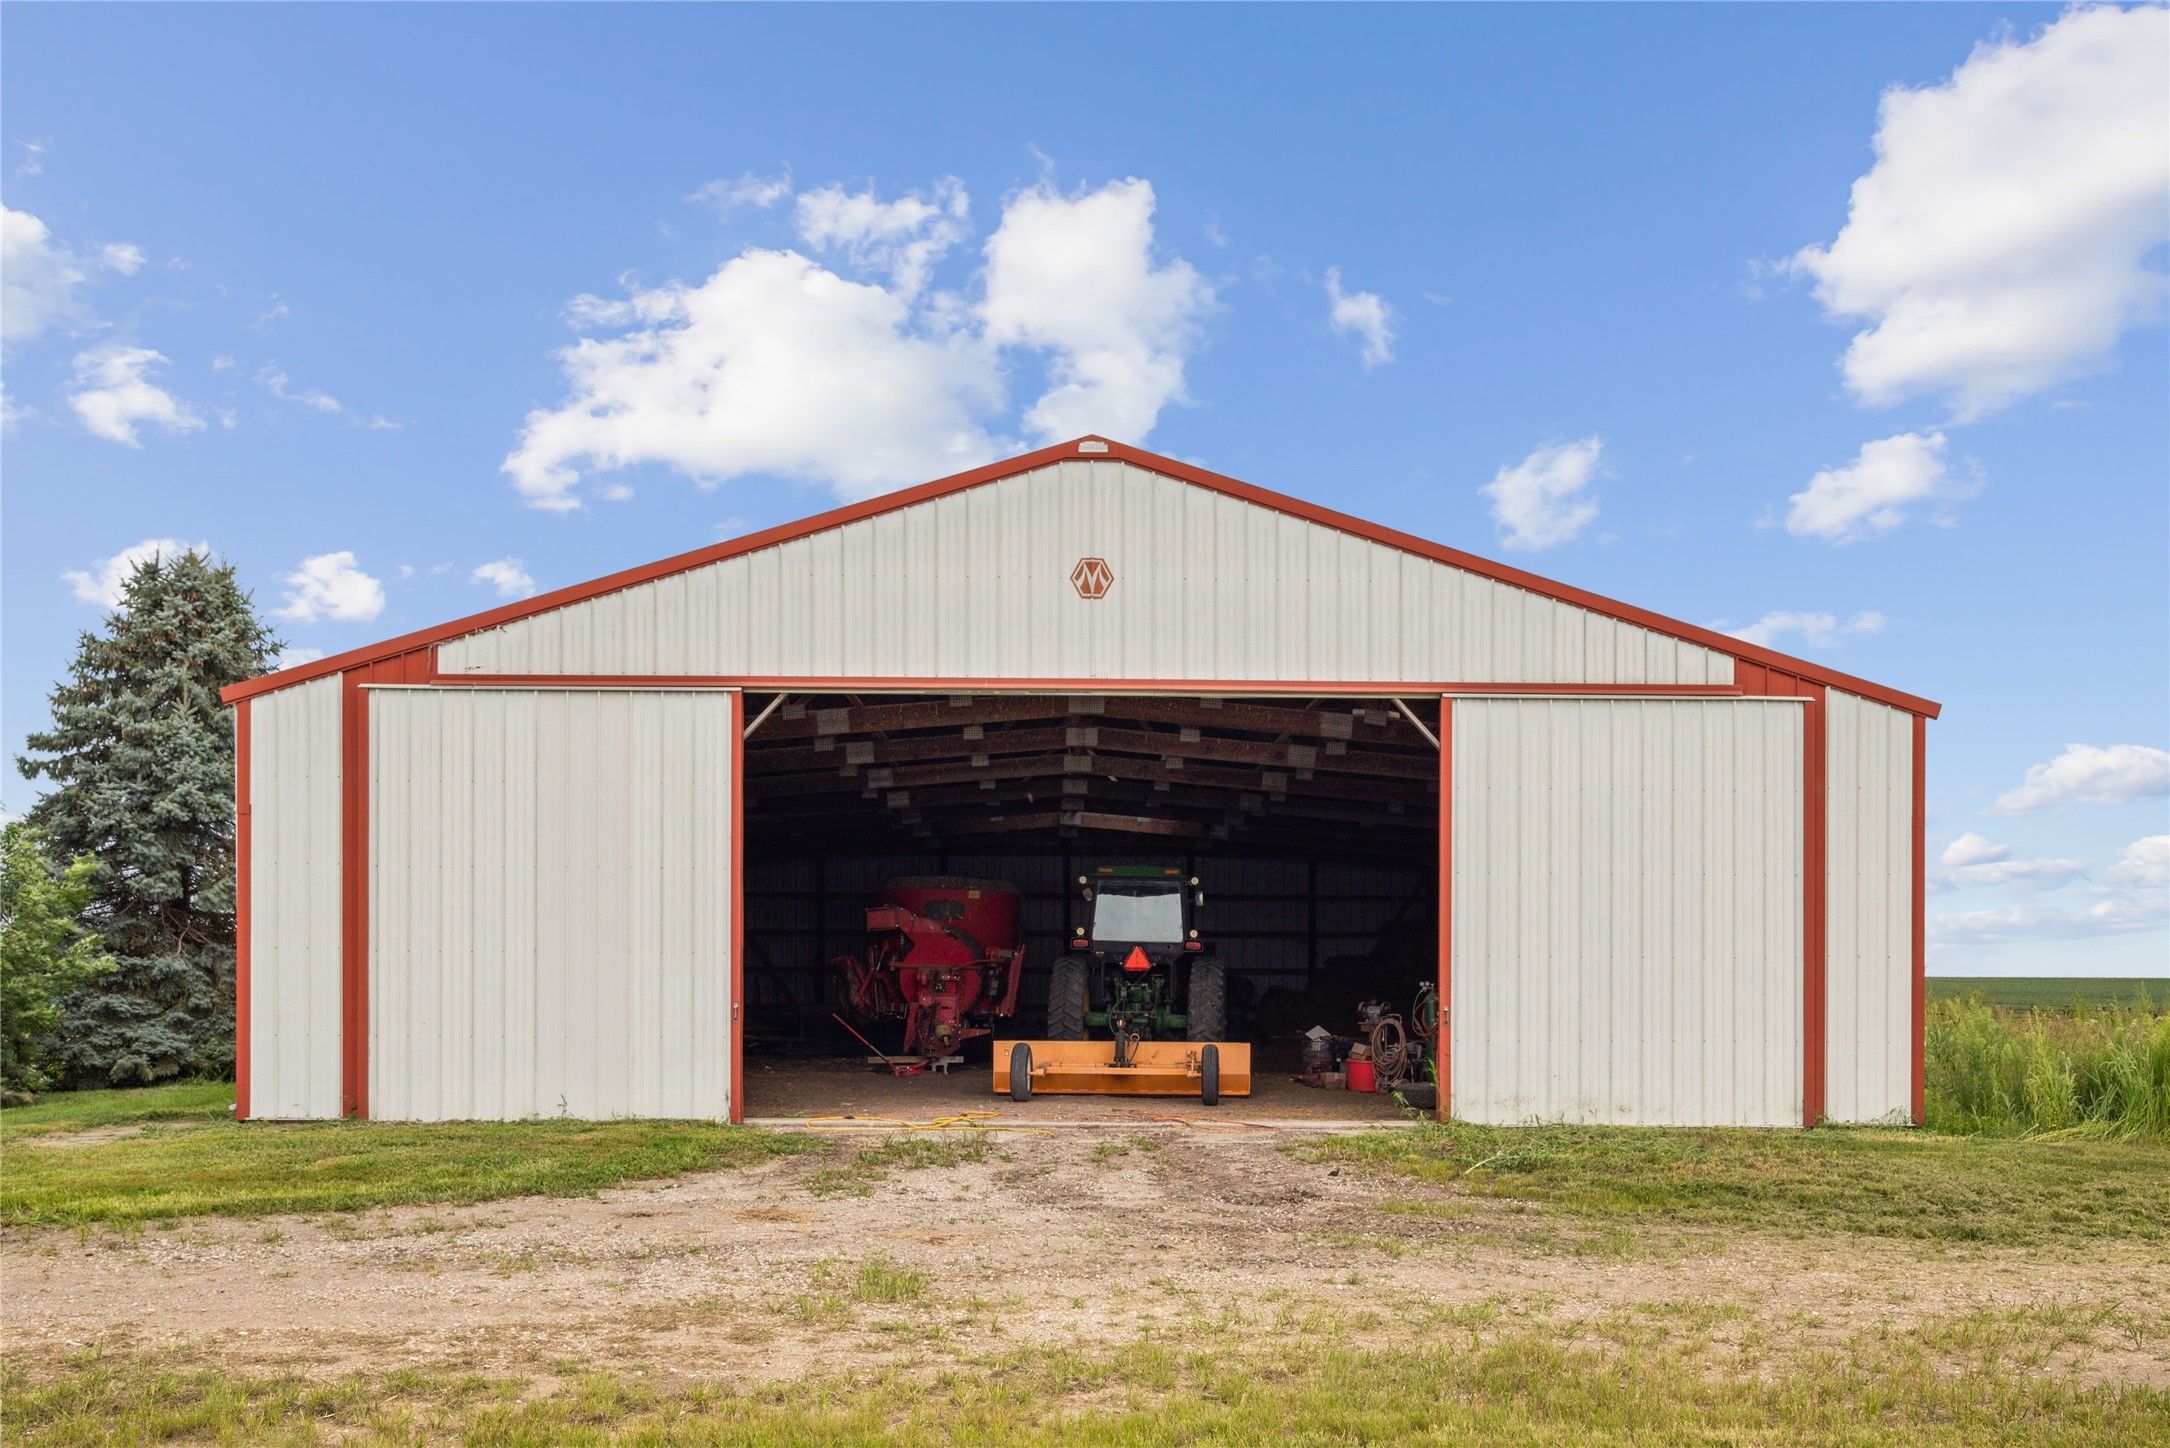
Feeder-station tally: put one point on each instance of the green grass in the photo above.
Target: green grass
(2052, 992)
(1628, 1379)
(192, 1159)
(2098, 1071)
(1876, 1182)
(913, 1151)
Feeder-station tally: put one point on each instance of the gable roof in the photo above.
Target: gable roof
(1095, 448)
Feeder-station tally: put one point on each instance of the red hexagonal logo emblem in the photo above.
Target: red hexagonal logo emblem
(1092, 578)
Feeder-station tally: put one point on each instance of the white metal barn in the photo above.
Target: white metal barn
(552, 859)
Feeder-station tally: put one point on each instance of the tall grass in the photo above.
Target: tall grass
(2090, 1070)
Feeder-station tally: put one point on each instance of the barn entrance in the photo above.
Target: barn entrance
(1309, 826)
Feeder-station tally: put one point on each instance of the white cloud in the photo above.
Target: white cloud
(293, 657)
(330, 585)
(1364, 314)
(774, 364)
(1878, 490)
(1817, 630)
(2084, 774)
(777, 364)
(124, 257)
(1076, 276)
(1972, 860)
(113, 393)
(2002, 240)
(507, 575)
(759, 192)
(33, 163)
(38, 278)
(275, 382)
(904, 238)
(1541, 501)
(103, 582)
(2121, 915)
(2142, 865)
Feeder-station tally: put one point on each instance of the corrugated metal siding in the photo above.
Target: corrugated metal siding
(1869, 907)
(1627, 911)
(294, 902)
(975, 585)
(549, 904)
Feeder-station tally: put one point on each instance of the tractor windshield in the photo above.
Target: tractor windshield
(1142, 914)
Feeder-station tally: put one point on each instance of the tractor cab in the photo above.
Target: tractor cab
(1139, 917)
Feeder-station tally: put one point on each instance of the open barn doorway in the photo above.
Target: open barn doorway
(1307, 826)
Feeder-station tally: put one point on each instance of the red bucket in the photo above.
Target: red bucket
(1361, 1076)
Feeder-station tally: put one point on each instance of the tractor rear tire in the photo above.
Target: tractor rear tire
(1209, 1075)
(1067, 990)
(1021, 1072)
(1207, 1007)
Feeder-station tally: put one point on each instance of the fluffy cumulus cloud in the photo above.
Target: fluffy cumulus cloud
(1078, 277)
(331, 586)
(509, 576)
(2010, 227)
(124, 257)
(1885, 484)
(2085, 774)
(774, 364)
(864, 381)
(1361, 314)
(1817, 630)
(101, 583)
(1545, 499)
(2142, 865)
(39, 278)
(904, 238)
(293, 658)
(113, 395)
(1973, 860)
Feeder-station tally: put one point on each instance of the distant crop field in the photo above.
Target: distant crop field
(2053, 992)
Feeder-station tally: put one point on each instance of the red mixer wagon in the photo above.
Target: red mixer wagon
(942, 955)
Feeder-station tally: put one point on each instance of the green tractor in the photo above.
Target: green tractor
(1137, 970)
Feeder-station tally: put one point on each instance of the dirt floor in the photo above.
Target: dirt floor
(1034, 1235)
(780, 1089)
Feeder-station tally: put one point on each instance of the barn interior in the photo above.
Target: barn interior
(1310, 825)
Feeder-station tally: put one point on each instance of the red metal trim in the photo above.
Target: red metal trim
(354, 897)
(816, 684)
(1444, 1108)
(243, 829)
(1814, 892)
(738, 907)
(1921, 952)
(1106, 450)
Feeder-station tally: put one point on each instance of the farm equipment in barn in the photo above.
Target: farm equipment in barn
(942, 956)
(1138, 977)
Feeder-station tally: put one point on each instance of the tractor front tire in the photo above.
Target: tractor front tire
(1067, 991)
(1207, 1007)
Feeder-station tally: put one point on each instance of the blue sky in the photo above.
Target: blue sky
(1653, 300)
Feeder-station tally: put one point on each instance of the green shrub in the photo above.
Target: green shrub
(2099, 1071)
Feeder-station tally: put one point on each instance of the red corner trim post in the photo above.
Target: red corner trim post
(1101, 450)
(738, 906)
(354, 897)
(1921, 953)
(242, 892)
(1444, 1046)
(1814, 885)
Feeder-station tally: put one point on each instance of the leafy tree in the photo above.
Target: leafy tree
(141, 754)
(45, 953)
